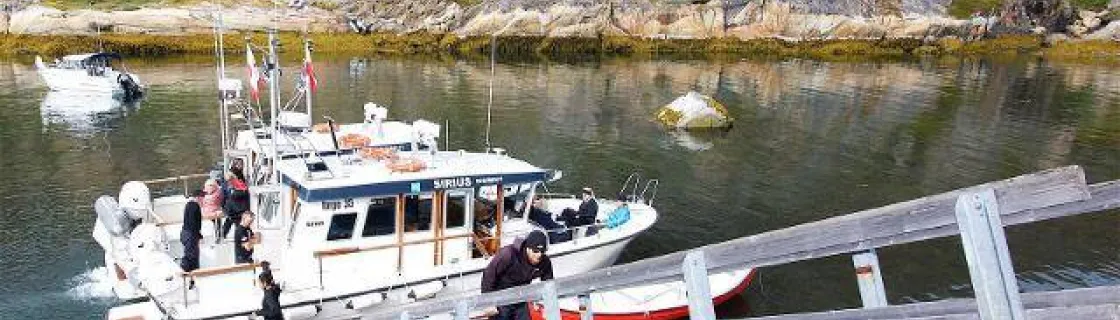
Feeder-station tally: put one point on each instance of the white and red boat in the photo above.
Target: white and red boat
(661, 301)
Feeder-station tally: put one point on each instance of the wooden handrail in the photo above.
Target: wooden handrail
(1028, 198)
(349, 250)
(220, 270)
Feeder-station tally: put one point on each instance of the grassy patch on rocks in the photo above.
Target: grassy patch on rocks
(560, 48)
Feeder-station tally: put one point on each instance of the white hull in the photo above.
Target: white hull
(355, 275)
(80, 81)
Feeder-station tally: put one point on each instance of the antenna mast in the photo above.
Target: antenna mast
(273, 95)
(490, 100)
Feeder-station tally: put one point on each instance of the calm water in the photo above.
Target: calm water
(812, 140)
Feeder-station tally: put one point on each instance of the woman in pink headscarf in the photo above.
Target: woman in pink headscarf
(211, 203)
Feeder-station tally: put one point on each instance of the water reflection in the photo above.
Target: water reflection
(811, 140)
(83, 114)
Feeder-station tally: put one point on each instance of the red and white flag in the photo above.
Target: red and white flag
(255, 80)
(309, 71)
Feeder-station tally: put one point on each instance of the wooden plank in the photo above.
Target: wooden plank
(220, 270)
(910, 221)
(1032, 300)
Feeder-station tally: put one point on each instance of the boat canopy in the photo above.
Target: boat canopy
(316, 194)
(451, 170)
(92, 56)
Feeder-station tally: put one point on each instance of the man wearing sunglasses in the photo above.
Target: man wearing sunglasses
(516, 265)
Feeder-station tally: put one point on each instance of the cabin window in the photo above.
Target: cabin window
(417, 213)
(456, 211)
(342, 226)
(381, 217)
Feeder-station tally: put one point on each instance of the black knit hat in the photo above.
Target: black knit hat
(536, 239)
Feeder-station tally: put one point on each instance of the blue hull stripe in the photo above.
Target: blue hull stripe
(413, 186)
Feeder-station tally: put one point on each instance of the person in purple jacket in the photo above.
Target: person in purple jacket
(516, 265)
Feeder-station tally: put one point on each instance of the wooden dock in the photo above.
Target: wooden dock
(977, 214)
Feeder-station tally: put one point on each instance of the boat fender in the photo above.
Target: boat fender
(109, 213)
(303, 312)
(426, 290)
(365, 301)
(135, 199)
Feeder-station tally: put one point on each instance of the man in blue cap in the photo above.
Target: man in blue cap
(516, 265)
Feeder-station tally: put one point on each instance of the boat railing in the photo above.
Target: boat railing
(977, 214)
(168, 183)
(190, 277)
(636, 180)
(649, 183)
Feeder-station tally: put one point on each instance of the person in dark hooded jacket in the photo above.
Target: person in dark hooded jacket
(270, 304)
(191, 234)
(516, 265)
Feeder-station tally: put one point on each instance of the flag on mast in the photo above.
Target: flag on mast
(255, 80)
(309, 71)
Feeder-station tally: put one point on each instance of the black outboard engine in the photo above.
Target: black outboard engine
(131, 88)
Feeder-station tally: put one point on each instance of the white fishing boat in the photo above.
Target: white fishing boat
(380, 218)
(91, 73)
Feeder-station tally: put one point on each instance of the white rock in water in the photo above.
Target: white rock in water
(694, 110)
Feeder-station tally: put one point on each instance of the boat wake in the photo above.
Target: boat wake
(93, 285)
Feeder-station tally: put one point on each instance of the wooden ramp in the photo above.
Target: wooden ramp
(977, 214)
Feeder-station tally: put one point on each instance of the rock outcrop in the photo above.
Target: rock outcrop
(169, 21)
(785, 19)
(791, 19)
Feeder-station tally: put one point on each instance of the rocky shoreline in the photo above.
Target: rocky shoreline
(842, 27)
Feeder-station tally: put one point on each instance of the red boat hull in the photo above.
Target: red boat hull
(664, 314)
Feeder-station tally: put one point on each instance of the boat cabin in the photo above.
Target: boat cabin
(414, 209)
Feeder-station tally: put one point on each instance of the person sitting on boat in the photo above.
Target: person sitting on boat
(244, 239)
(212, 204)
(237, 201)
(270, 304)
(588, 209)
(515, 265)
(191, 233)
(539, 215)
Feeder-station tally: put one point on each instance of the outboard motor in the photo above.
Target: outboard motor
(136, 200)
(115, 220)
(128, 83)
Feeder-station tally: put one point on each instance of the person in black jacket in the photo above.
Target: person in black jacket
(270, 304)
(516, 265)
(588, 209)
(191, 234)
(237, 201)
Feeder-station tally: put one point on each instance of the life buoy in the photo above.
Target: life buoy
(406, 165)
(353, 140)
(378, 153)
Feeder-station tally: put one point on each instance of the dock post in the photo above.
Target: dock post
(697, 287)
(549, 299)
(989, 261)
(585, 312)
(870, 279)
(462, 310)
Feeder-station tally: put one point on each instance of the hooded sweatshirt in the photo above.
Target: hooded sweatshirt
(511, 268)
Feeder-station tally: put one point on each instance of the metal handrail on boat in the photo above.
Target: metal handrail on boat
(183, 178)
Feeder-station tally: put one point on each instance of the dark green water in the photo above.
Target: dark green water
(812, 140)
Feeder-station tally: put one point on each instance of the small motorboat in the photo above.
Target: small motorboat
(651, 302)
(91, 73)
